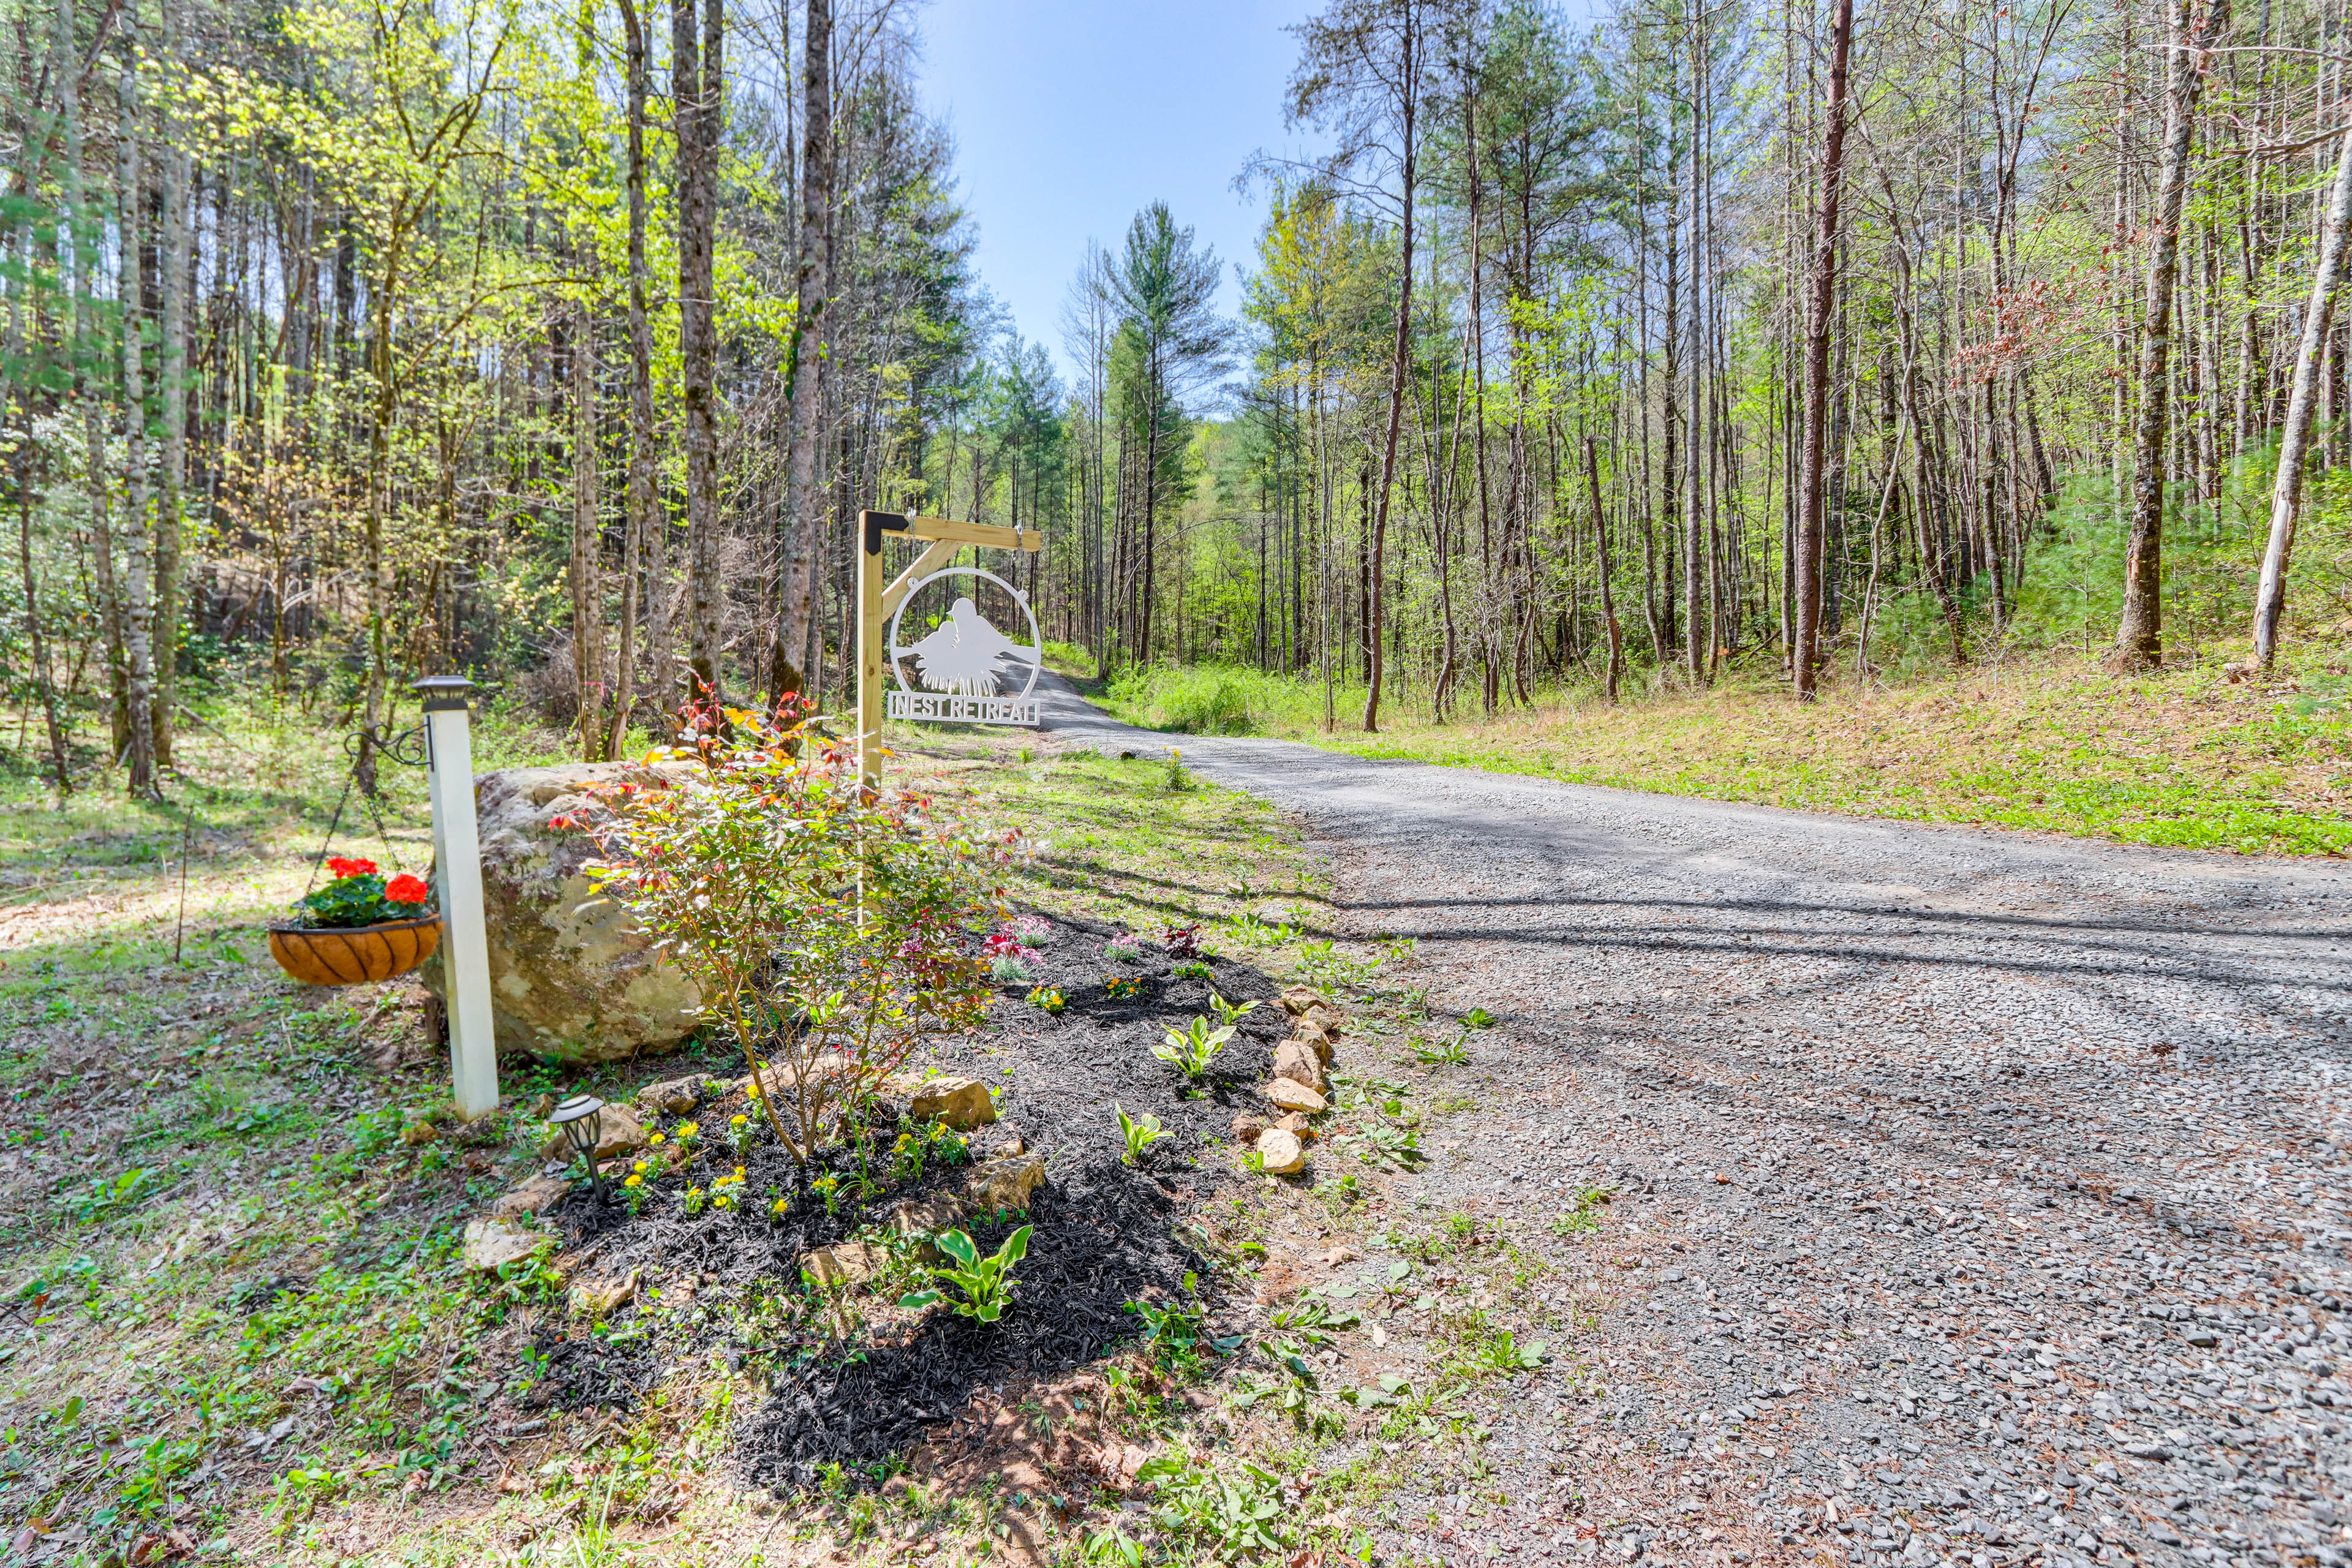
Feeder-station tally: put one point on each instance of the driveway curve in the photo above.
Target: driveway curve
(1986, 1192)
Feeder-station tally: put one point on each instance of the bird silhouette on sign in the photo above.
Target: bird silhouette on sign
(960, 654)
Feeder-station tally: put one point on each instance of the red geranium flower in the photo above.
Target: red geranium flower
(342, 866)
(407, 889)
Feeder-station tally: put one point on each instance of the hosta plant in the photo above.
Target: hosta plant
(1192, 1049)
(984, 1285)
(1139, 1133)
(1226, 1011)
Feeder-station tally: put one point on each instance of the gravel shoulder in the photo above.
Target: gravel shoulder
(1980, 1197)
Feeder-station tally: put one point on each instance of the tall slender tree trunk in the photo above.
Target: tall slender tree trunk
(1821, 289)
(587, 577)
(1408, 62)
(89, 384)
(810, 287)
(172, 364)
(137, 602)
(2286, 490)
(1698, 634)
(697, 88)
(2140, 639)
(1608, 598)
(642, 536)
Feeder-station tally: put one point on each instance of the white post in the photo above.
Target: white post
(458, 858)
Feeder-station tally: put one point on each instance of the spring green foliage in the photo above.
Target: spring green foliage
(1138, 1133)
(1229, 1013)
(740, 866)
(984, 1285)
(1192, 1049)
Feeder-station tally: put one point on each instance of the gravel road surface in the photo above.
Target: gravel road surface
(1980, 1197)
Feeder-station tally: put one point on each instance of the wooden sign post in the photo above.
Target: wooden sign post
(878, 603)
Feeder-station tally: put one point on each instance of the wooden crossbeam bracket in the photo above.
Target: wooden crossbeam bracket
(949, 530)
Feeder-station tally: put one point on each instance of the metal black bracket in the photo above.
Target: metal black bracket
(406, 748)
(878, 523)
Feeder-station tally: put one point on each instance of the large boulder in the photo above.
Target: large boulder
(573, 977)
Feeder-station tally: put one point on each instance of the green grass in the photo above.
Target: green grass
(2182, 758)
(211, 1202)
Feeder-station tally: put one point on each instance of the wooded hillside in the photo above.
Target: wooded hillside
(349, 339)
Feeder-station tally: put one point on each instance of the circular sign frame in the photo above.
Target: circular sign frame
(893, 652)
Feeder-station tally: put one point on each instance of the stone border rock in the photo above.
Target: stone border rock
(1299, 1089)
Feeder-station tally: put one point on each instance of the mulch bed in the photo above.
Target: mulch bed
(1104, 1234)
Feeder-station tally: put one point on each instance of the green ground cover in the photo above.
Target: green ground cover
(2184, 758)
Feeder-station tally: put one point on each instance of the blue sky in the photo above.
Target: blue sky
(1069, 116)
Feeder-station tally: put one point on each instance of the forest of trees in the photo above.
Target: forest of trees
(350, 339)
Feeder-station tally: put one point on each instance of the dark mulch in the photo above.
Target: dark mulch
(1068, 1071)
(1104, 1234)
(586, 1373)
(1093, 1250)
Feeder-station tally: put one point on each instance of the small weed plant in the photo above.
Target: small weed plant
(1452, 1053)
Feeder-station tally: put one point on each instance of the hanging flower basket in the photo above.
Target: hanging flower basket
(354, 955)
(358, 928)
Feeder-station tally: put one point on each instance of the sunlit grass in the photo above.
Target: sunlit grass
(2182, 758)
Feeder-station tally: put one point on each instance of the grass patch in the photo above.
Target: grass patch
(235, 1305)
(2182, 758)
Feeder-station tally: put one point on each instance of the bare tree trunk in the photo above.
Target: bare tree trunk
(641, 523)
(1608, 599)
(173, 367)
(1408, 78)
(696, 86)
(1820, 289)
(2140, 639)
(2286, 490)
(90, 389)
(139, 604)
(1697, 637)
(587, 580)
(809, 286)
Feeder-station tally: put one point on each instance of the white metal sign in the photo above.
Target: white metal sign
(956, 661)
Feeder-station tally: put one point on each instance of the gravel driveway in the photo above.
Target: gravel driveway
(1980, 1197)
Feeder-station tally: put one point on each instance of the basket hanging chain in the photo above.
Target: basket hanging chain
(408, 747)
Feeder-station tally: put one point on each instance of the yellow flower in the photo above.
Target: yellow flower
(738, 1121)
(694, 1192)
(783, 1205)
(738, 1173)
(634, 1180)
(689, 1129)
(656, 1140)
